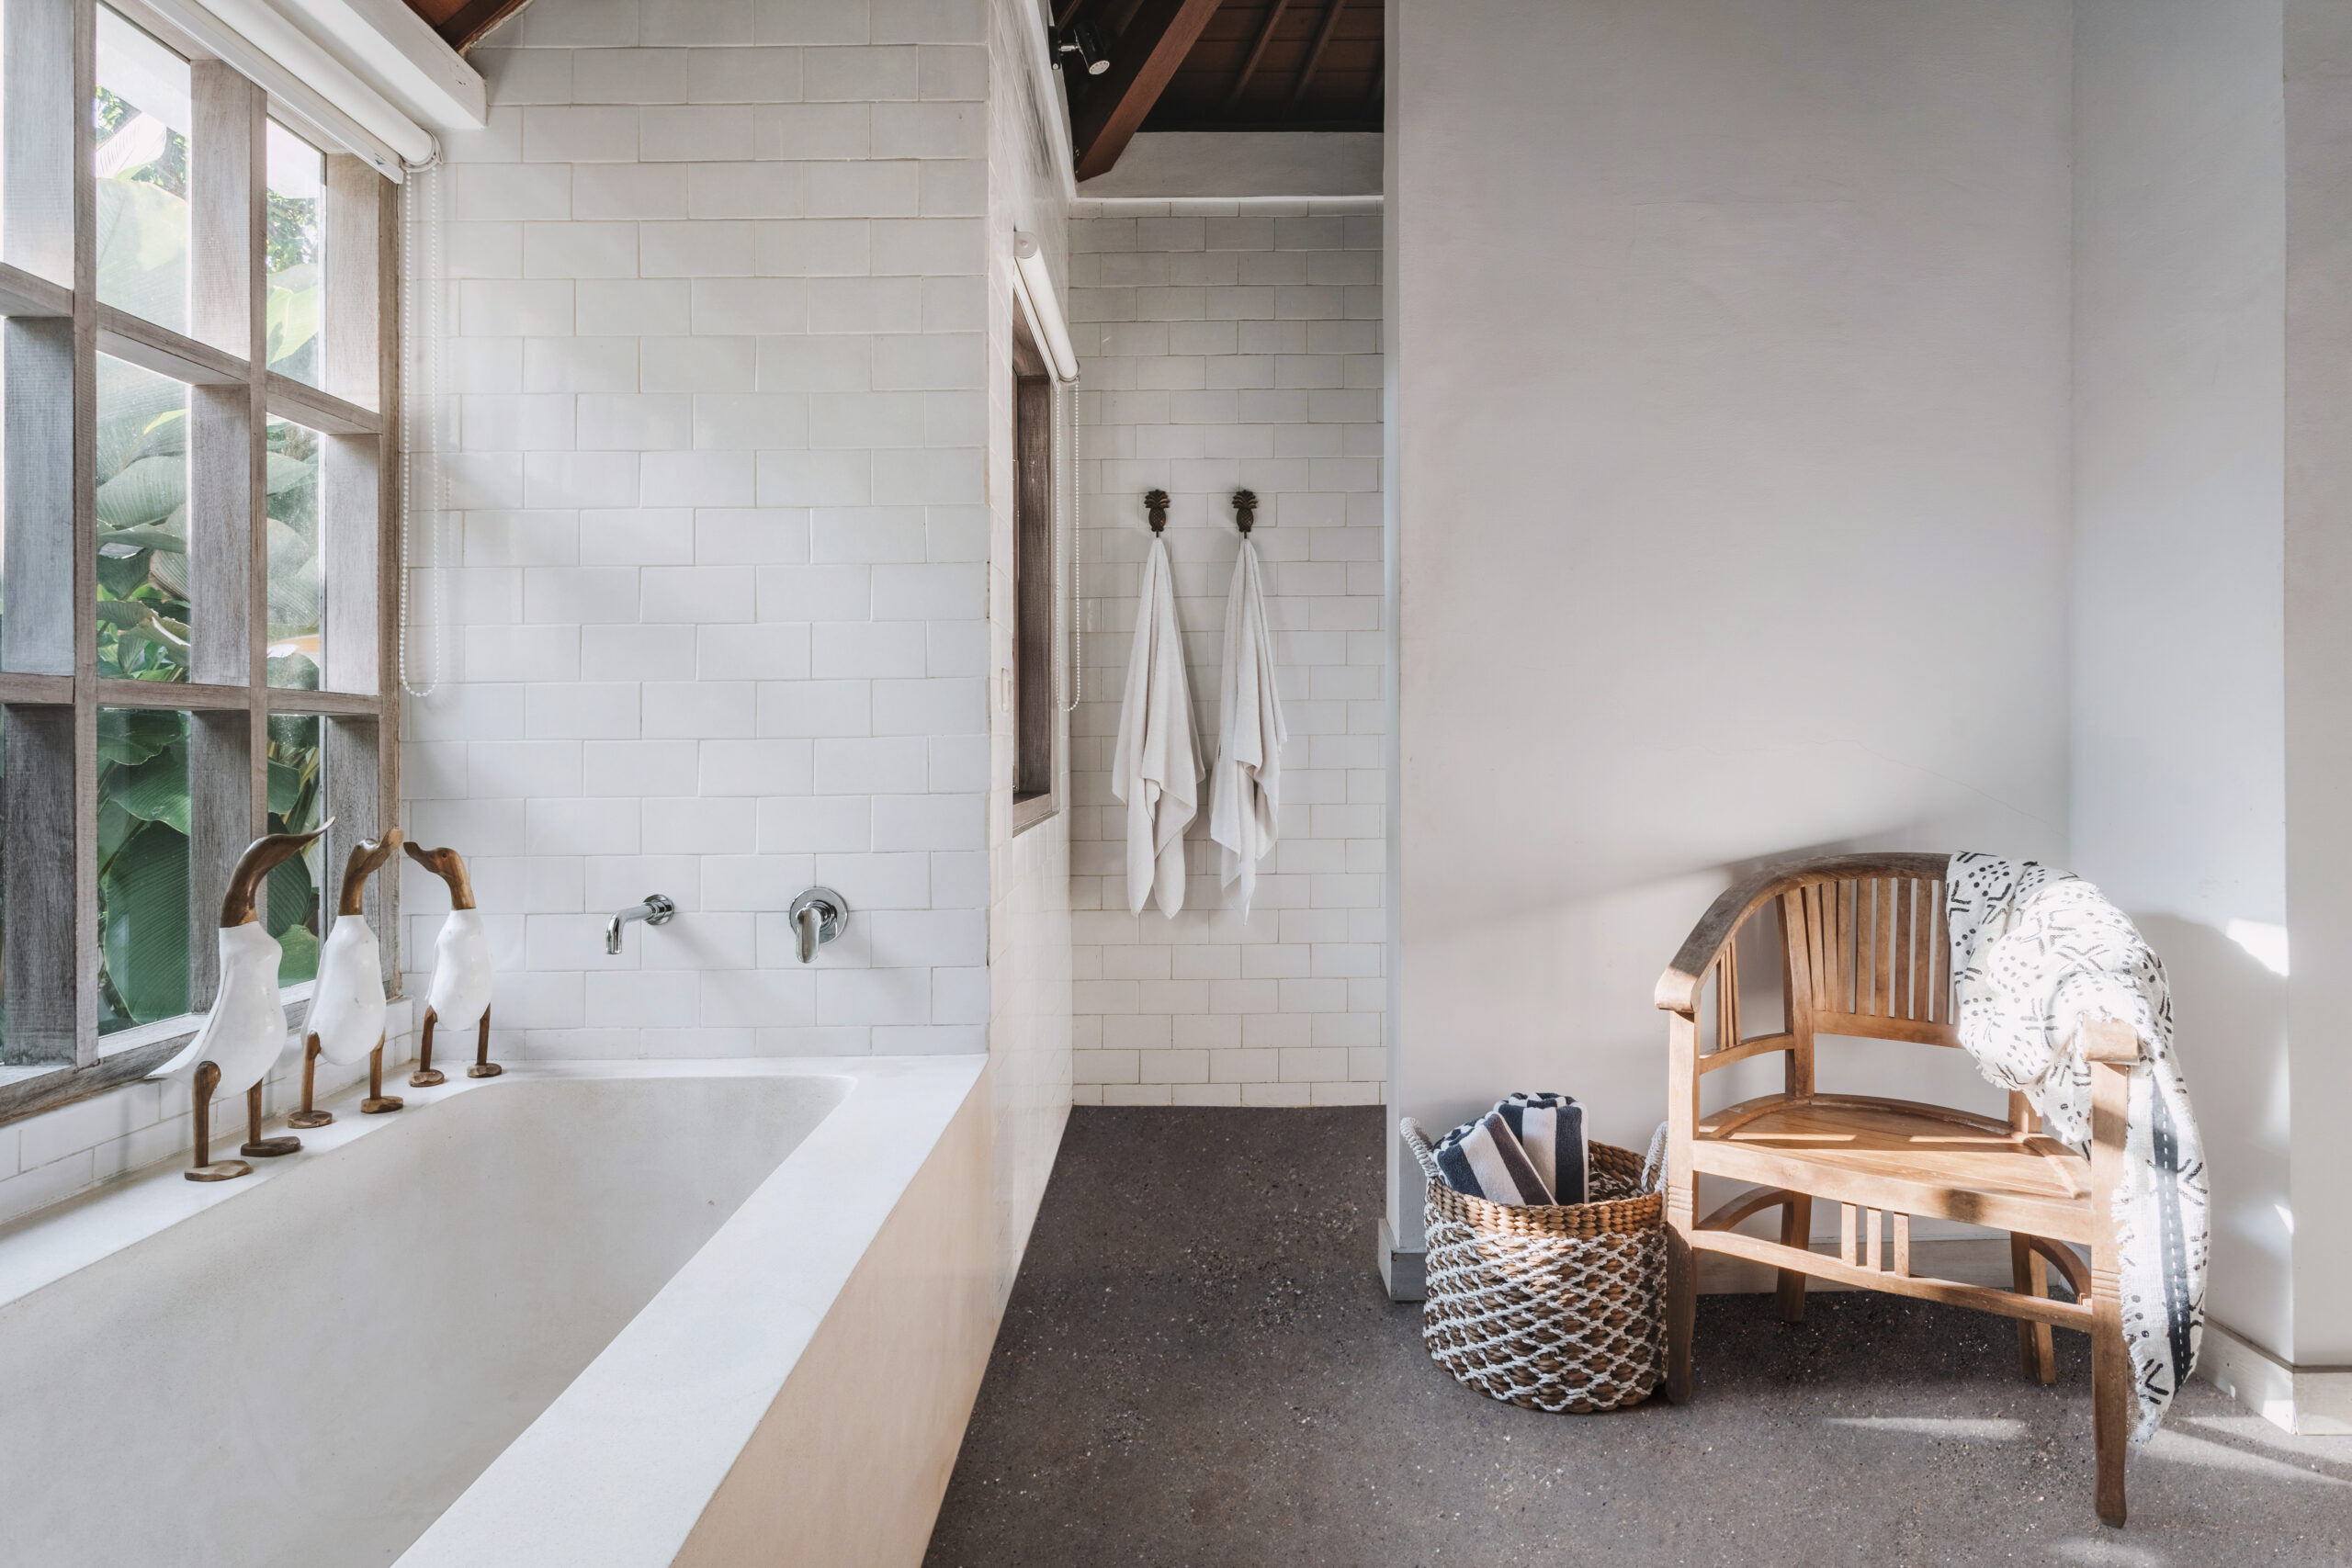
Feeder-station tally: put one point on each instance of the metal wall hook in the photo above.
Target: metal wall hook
(1156, 503)
(817, 917)
(1245, 510)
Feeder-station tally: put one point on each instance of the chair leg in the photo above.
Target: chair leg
(2113, 1397)
(1681, 1307)
(1796, 1230)
(2036, 1356)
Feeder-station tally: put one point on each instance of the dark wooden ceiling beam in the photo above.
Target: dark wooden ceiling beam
(1068, 12)
(1257, 51)
(1314, 55)
(467, 24)
(1143, 60)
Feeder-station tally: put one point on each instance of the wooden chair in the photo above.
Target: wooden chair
(1864, 951)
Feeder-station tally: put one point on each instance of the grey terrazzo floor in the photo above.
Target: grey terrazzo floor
(1199, 1370)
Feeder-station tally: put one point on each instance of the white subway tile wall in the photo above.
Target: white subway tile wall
(720, 592)
(1227, 348)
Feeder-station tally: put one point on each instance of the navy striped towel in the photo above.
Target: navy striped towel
(1545, 1132)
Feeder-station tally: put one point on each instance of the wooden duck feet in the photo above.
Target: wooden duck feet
(309, 1116)
(427, 1075)
(484, 1066)
(205, 1168)
(378, 1102)
(255, 1146)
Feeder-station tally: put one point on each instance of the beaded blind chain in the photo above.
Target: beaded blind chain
(421, 472)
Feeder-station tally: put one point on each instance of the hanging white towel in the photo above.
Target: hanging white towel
(1246, 793)
(1157, 768)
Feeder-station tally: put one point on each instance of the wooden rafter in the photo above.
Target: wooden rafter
(465, 26)
(1257, 51)
(1145, 56)
(1314, 55)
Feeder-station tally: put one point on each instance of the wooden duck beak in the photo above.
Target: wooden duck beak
(261, 857)
(367, 858)
(450, 867)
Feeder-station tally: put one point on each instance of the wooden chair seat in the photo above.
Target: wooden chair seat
(1904, 1158)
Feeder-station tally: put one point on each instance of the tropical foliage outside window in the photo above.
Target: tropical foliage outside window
(169, 792)
(143, 607)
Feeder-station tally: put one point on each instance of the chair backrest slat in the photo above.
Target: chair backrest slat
(1872, 954)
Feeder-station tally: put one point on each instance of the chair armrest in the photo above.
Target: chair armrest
(2104, 1040)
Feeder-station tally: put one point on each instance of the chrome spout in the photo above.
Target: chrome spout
(655, 911)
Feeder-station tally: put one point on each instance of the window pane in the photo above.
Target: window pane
(142, 524)
(143, 122)
(296, 180)
(295, 791)
(142, 866)
(297, 567)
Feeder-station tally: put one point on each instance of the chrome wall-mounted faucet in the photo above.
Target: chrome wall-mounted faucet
(655, 911)
(817, 917)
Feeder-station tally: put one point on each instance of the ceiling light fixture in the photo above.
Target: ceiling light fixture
(1080, 39)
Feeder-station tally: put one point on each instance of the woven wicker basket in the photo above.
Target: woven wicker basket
(1559, 1308)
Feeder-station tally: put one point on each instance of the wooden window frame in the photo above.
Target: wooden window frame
(50, 693)
(1037, 716)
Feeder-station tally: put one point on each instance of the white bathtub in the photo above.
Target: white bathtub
(601, 1315)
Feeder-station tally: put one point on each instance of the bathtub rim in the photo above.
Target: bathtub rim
(47, 1245)
(699, 1368)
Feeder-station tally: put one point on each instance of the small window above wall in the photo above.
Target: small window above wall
(1037, 768)
(199, 613)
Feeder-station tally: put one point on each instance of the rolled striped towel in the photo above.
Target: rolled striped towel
(1485, 1161)
(1549, 1129)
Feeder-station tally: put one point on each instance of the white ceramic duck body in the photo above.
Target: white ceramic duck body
(461, 971)
(347, 999)
(246, 1028)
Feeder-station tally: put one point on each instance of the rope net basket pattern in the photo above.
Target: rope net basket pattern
(1549, 1308)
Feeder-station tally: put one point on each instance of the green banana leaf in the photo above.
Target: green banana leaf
(147, 491)
(143, 924)
(142, 251)
(156, 791)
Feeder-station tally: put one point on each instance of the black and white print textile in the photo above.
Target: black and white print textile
(1550, 1129)
(2034, 953)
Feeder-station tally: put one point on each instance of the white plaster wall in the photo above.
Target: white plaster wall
(1730, 361)
(1231, 345)
(2179, 809)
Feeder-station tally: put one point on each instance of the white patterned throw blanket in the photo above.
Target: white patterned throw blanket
(2034, 953)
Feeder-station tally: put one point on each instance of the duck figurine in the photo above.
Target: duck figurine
(246, 1028)
(461, 972)
(347, 999)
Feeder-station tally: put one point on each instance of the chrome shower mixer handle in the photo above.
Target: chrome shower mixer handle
(817, 917)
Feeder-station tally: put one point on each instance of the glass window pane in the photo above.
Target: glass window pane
(295, 791)
(142, 524)
(142, 866)
(297, 568)
(297, 181)
(143, 121)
